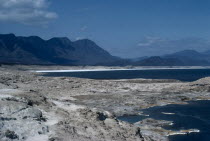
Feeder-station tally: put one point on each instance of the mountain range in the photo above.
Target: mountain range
(34, 50)
(62, 51)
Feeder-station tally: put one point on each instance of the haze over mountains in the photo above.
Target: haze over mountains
(62, 51)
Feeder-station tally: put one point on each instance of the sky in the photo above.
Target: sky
(125, 28)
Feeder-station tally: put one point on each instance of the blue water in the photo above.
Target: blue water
(179, 74)
(195, 115)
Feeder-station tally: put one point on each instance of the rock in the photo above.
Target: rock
(111, 122)
(17, 119)
(101, 116)
(11, 134)
(153, 122)
(8, 108)
(30, 113)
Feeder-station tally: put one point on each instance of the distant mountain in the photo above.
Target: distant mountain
(186, 53)
(139, 58)
(189, 57)
(161, 61)
(206, 52)
(158, 61)
(34, 50)
(182, 58)
(62, 51)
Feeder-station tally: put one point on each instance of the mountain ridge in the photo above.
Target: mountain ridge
(57, 50)
(62, 51)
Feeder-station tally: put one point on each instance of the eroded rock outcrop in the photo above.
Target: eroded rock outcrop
(19, 121)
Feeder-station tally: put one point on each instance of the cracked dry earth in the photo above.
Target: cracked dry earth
(36, 108)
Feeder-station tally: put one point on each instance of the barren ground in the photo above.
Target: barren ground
(36, 108)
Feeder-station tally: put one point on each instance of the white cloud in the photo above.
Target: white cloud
(31, 12)
(84, 28)
(148, 41)
(79, 38)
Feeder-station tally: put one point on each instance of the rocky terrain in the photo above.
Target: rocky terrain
(37, 108)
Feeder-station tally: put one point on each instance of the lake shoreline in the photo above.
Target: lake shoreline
(145, 118)
(181, 74)
(90, 105)
(119, 69)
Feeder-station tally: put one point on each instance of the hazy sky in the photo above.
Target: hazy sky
(126, 28)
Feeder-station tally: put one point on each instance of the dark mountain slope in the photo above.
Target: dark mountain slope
(34, 50)
(91, 52)
(160, 61)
